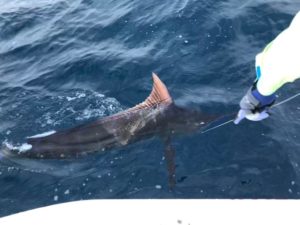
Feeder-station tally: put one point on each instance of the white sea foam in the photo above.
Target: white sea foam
(78, 95)
(77, 105)
(25, 147)
(21, 148)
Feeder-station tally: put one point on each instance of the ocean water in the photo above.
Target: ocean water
(66, 62)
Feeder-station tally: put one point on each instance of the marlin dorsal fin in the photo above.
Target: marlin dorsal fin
(159, 92)
(158, 95)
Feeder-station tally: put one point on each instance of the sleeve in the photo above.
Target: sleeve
(279, 62)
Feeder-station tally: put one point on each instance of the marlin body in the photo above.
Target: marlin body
(157, 115)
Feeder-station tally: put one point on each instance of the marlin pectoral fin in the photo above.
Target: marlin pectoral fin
(170, 159)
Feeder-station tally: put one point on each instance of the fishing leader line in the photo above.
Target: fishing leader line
(229, 121)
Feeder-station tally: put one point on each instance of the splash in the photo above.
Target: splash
(21, 148)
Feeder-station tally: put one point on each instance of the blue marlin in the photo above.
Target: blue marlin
(158, 115)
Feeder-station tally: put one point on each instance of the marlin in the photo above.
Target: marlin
(158, 115)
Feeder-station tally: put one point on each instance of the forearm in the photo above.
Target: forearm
(280, 61)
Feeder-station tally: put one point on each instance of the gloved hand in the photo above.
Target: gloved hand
(254, 106)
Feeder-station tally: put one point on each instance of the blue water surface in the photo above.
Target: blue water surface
(66, 62)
